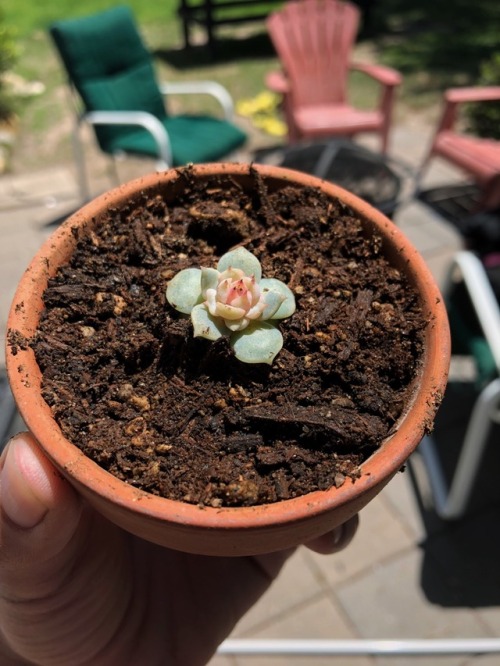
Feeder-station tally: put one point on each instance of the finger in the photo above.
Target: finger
(335, 540)
(39, 509)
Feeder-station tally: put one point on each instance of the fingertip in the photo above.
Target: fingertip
(29, 484)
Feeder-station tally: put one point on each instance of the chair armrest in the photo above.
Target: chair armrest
(453, 97)
(277, 82)
(473, 94)
(141, 119)
(482, 297)
(212, 88)
(384, 75)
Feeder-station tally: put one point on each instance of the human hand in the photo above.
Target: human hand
(75, 590)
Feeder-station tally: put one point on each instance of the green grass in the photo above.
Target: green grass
(28, 16)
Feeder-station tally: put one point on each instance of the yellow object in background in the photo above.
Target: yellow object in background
(262, 111)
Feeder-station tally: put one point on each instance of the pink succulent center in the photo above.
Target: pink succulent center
(237, 297)
(241, 293)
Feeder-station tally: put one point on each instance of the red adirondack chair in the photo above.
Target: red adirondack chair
(479, 157)
(313, 40)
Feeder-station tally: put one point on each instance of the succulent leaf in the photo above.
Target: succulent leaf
(209, 279)
(287, 307)
(258, 343)
(237, 324)
(229, 312)
(206, 326)
(242, 259)
(184, 290)
(272, 300)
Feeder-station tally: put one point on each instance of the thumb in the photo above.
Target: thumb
(39, 509)
(51, 581)
(27, 484)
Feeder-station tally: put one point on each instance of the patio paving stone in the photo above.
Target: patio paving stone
(380, 536)
(388, 602)
(296, 585)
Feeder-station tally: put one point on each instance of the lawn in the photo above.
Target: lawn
(28, 16)
(418, 37)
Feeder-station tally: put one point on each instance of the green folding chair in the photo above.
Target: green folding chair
(112, 72)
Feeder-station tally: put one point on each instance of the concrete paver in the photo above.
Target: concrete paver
(463, 553)
(296, 585)
(27, 205)
(388, 601)
(490, 616)
(400, 499)
(222, 660)
(385, 535)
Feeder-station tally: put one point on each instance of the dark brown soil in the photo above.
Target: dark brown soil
(181, 417)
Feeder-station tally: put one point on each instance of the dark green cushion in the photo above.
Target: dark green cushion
(193, 139)
(133, 90)
(121, 91)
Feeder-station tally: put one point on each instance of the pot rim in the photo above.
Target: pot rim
(25, 377)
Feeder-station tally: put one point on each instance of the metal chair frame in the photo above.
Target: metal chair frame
(358, 647)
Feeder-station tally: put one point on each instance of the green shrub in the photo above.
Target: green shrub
(484, 117)
(8, 57)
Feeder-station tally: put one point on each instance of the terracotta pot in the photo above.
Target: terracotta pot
(225, 531)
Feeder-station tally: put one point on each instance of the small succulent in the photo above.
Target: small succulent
(234, 300)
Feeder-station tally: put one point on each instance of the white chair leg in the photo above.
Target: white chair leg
(115, 175)
(81, 171)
